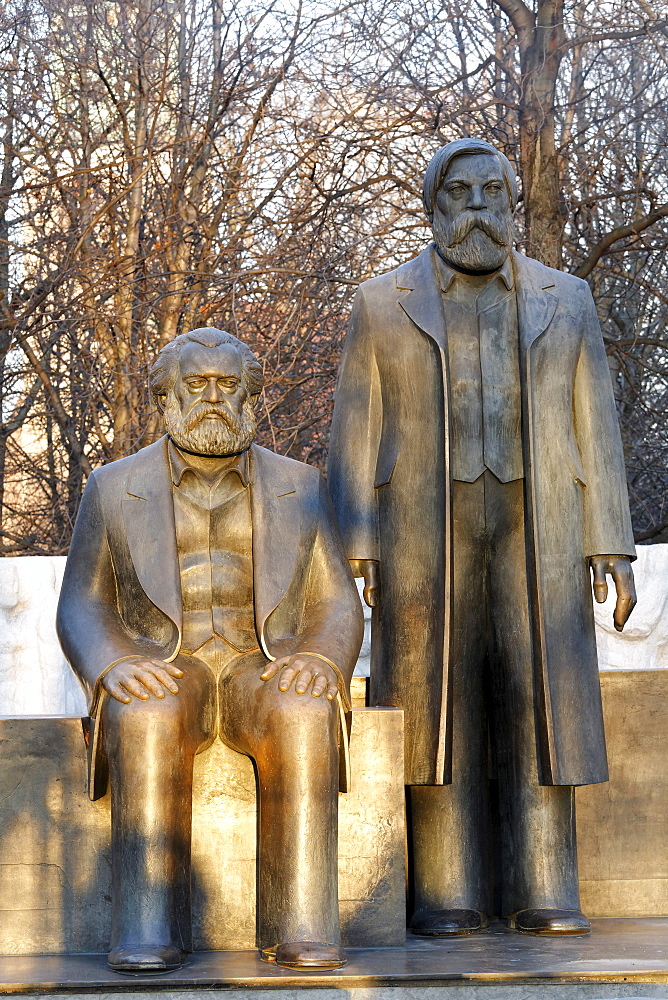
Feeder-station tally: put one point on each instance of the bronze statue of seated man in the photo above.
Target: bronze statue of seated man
(206, 594)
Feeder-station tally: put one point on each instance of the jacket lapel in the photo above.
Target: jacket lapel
(275, 506)
(535, 305)
(423, 303)
(148, 513)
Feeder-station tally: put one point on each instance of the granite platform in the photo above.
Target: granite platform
(620, 958)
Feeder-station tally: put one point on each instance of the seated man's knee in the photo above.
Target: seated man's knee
(157, 727)
(168, 713)
(291, 712)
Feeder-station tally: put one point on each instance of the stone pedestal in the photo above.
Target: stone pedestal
(622, 824)
(620, 958)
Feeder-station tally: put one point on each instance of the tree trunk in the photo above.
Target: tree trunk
(541, 38)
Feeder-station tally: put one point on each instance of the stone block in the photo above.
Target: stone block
(623, 824)
(35, 678)
(643, 645)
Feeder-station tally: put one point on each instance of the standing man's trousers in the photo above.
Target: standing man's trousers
(492, 670)
(151, 745)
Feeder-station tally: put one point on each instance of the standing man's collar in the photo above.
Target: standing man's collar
(448, 274)
(179, 464)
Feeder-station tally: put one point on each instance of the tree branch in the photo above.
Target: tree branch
(644, 536)
(59, 410)
(520, 16)
(620, 233)
(614, 36)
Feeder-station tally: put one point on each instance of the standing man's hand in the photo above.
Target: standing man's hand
(370, 570)
(619, 568)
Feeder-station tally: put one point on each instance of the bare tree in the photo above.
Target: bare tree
(174, 163)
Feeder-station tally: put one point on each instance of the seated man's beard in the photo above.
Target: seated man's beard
(475, 241)
(227, 436)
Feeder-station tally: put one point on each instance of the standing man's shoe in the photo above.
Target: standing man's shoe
(539, 921)
(443, 923)
(146, 958)
(310, 956)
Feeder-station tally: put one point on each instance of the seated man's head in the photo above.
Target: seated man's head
(469, 195)
(206, 384)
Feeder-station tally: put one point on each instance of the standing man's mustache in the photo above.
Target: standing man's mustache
(469, 220)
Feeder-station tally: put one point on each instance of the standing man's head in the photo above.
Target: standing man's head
(469, 195)
(206, 384)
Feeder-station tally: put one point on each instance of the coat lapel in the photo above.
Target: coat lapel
(535, 305)
(148, 513)
(275, 505)
(423, 303)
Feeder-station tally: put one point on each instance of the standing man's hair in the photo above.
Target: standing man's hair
(439, 163)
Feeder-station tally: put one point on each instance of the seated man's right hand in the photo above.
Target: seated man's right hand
(141, 677)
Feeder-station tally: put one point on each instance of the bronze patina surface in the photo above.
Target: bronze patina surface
(206, 594)
(477, 472)
(55, 877)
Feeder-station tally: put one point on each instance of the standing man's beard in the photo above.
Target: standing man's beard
(227, 436)
(475, 241)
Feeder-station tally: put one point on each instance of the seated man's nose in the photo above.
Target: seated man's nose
(212, 393)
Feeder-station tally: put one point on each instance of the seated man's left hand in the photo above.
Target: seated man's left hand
(304, 671)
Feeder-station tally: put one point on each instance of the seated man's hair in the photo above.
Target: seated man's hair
(164, 371)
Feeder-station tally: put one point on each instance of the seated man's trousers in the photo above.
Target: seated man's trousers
(150, 747)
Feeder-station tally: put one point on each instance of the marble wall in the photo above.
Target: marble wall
(35, 679)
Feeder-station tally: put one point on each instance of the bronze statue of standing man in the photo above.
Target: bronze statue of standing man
(477, 472)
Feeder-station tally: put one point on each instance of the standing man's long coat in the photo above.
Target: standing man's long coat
(390, 481)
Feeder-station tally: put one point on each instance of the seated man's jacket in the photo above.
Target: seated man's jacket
(121, 592)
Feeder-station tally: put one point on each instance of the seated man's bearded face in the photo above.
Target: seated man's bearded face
(473, 221)
(208, 411)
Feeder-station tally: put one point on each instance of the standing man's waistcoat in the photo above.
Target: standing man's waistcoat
(390, 478)
(483, 356)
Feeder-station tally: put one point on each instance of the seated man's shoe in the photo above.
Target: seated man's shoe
(146, 958)
(310, 955)
(443, 923)
(537, 921)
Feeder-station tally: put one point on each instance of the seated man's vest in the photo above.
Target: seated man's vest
(214, 538)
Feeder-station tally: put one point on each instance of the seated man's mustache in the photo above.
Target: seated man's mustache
(467, 221)
(202, 410)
